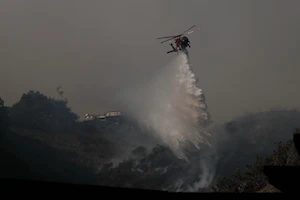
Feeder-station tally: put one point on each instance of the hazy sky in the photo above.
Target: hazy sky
(246, 55)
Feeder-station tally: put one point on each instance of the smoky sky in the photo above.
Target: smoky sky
(245, 55)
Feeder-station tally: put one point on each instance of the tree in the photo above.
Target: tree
(4, 120)
(1, 103)
(37, 111)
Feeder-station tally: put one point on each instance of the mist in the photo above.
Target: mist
(171, 104)
(172, 107)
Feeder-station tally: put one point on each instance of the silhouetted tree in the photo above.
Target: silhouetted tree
(4, 120)
(1, 102)
(37, 111)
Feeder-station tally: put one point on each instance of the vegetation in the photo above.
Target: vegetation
(4, 119)
(253, 179)
(39, 112)
(157, 170)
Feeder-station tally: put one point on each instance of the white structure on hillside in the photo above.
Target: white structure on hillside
(89, 117)
(107, 115)
(113, 114)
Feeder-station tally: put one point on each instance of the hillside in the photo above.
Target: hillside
(26, 158)
(158, 169)
(240, 140)
(127, 155)
(253, 179)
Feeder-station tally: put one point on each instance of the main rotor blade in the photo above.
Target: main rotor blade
(168, 40)
(188, 29)
(165, 37)
(192, 31)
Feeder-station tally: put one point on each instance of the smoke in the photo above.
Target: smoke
(173, 106)
(203, 179)
(206, 177)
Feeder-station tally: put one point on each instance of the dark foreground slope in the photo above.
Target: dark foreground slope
(26, 158)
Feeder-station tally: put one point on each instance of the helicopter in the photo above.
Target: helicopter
(181, 41)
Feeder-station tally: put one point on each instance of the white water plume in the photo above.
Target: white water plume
(173, 106)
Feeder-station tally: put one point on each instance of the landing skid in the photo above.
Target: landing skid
(174, 50)
(171, 51)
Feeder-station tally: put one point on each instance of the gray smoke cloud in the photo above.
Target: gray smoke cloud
(204, 177)
(173, 107)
